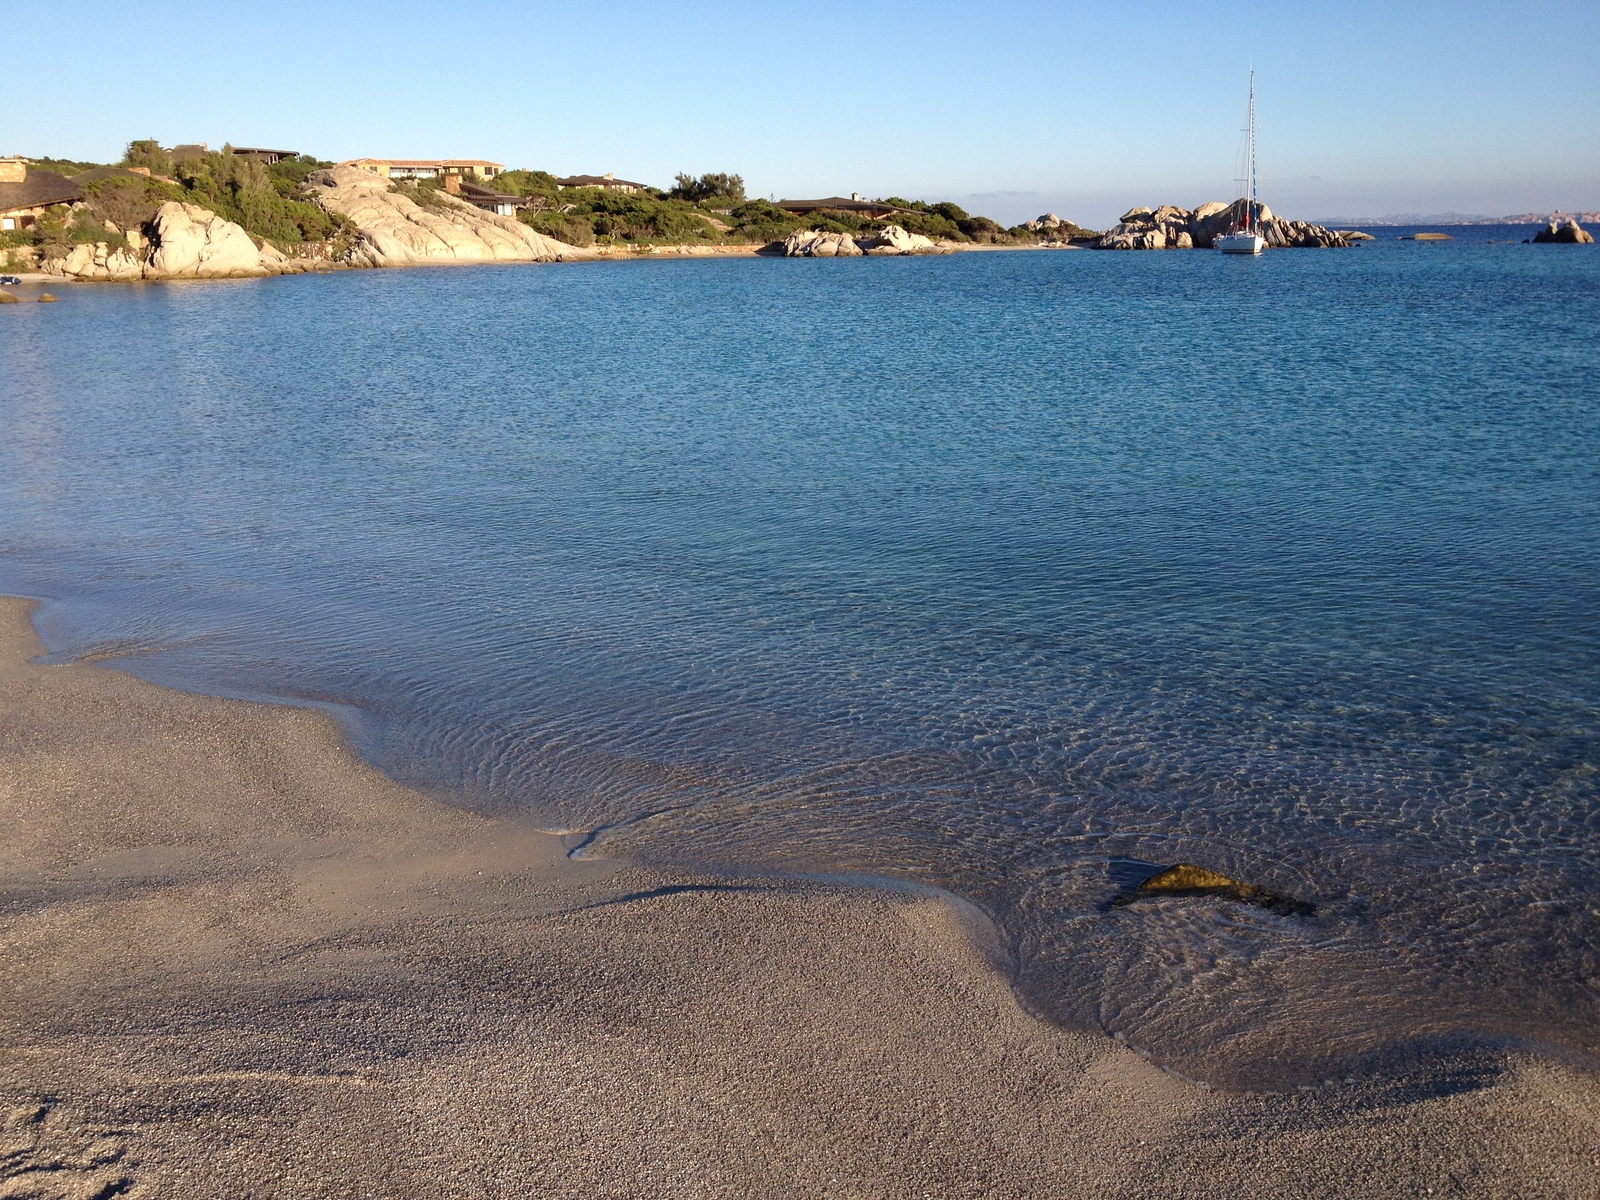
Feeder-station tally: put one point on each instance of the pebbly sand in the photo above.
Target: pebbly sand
(240, 962)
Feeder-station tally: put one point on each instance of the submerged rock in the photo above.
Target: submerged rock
(1187, 879)
(46, 298)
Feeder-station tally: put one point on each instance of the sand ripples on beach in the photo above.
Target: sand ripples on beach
(1002, 574)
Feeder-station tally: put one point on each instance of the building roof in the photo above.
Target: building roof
(428, 162)
(263, 151)
(40, 188)
(838, 204)
(188, 150)
(598, 181)
(473, 191)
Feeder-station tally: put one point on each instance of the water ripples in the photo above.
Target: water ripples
(989, 573)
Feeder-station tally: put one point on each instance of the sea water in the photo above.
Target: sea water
(1015, 574)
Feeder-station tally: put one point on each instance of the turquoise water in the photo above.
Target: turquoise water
(1009, 574)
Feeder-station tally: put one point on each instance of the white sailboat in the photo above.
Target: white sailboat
(1245, 238)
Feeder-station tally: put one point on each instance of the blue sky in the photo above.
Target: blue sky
(1011, 108)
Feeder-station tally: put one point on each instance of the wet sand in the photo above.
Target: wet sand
(237, 961)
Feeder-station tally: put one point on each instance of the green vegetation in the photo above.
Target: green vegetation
(129, 201)
(428, 193)
(271, 202)
(715, 189)
(713, 209)
(584, 216)
(61, 166)
(266, 201)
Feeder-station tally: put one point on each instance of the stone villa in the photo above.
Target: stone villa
(427, 168)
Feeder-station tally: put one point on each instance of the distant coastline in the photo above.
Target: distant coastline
(1584, 216)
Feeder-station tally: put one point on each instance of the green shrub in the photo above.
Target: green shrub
(147, 153)
(247, 192)
(83, 227)
(61, 166)
(709, 189)
(129, 202)
(928, 223)
(523, 182)
(574, 231)
(980, 229)
(429, 193)
(50, 233)
(645, 217)
(762, 222)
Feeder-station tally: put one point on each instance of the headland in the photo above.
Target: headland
(189, 212)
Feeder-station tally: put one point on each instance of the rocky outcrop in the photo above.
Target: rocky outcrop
(1173, 228)
(813, 243)
(194, 243)
(1568, 231)
(185, 242)
(1058, 230)
(395, 231)
(892, 239)
(99, 261)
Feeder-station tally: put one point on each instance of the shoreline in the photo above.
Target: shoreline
(589, 255)
(240, 958)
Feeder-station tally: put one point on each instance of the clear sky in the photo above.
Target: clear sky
(1011, 108)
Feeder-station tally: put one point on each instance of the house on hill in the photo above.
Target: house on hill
(606, 183)
(427, 168)
(857, 203)
(26, 195)
(265, 157)
(502, 204)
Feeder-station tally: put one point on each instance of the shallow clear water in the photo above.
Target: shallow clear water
(1004, 573)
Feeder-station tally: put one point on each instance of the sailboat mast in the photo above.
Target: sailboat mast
(1250, 219)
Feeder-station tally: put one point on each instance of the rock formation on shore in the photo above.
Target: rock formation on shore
(1172, 228)
(184, 241)
(814, 243)
(396, 231)
(1568, 231)
(1052, 228)
(890, 240)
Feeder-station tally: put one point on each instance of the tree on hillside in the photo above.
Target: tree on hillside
(710, 186)
(147, 152)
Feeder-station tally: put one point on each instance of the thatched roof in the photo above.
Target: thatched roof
(39, 189)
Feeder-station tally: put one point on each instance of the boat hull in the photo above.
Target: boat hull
(1241, 243)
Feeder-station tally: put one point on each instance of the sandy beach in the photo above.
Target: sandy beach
(238, 961)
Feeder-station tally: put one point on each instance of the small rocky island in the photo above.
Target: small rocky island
(1568, 231)
(1172, 228)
